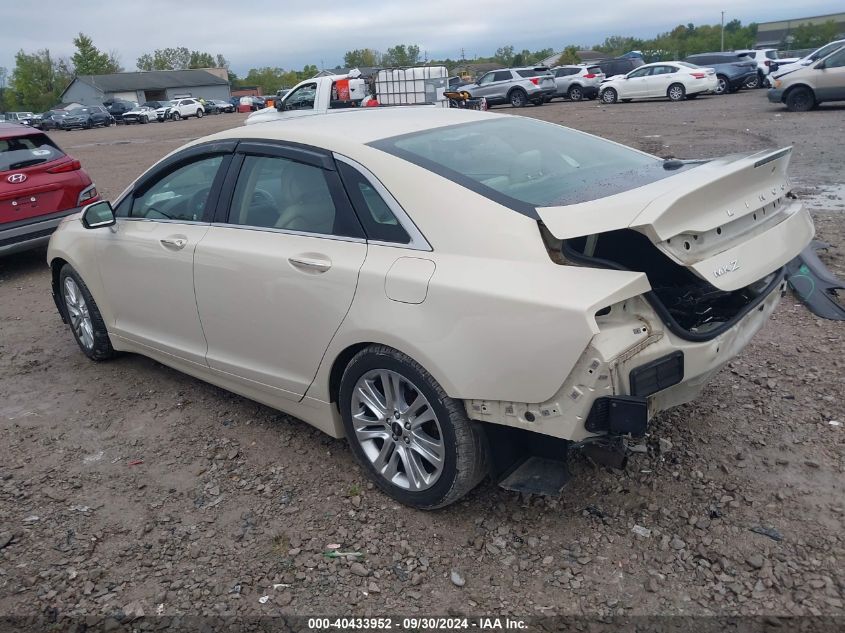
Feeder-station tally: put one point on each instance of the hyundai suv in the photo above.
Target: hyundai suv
(517, 86)
(39, 185)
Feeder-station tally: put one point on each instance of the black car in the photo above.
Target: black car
(618, 65)
(53, 120)
(87, 117)
(217, 106)
(118, 108)
(733, 70)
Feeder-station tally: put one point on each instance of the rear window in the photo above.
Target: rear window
(25, 151)
(523, 163)
(594, 70)
(771, 54)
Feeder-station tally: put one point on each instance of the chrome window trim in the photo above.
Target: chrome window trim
(267, 229)
(418, 241)
(163, 220)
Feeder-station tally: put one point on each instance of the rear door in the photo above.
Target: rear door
(659, 80)
(277, 271)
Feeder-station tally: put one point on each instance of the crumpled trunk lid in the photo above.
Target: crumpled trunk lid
(729, 221)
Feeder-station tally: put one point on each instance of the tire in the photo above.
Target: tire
(575, 93)
(83, 315)
(89, 124)
(754, 82)
(447, 432)
(538, 102)
(517, 98)
(722, 85)
(175, 116)
(676, 92)
(200, 113)
(145, 119)
(609, 95)
(800, 99)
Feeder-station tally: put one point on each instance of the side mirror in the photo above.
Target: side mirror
(820, 66)
(97, 215)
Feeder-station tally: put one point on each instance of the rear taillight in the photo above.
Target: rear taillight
(87, 194)
(698, 75)
(71, 165)
(535, 81)
(768, 62)
(590, 76)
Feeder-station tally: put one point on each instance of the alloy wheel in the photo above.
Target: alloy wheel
(721, 86)
(676, 93)
(397, 429)
(575, 94)
(77, 309)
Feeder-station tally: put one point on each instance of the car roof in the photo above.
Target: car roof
(342, 129)
(11, 130)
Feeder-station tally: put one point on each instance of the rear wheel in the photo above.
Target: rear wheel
(609, 95)
(84, 317)
(518, 98)
(415, 442)
(676, 92)
(575, 93)
(200, 113)
(800, 99)
(145, 120)
(721, 84)
(754, 82)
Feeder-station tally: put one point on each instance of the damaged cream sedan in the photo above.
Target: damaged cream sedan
(427, 282)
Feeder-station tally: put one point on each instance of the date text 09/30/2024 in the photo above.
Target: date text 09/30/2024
(417, 624)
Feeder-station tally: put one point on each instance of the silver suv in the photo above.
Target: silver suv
(577, 82)
(517, 86)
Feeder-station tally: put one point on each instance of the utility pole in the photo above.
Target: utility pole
(723, 32)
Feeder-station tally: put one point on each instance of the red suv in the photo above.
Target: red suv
(39, 185)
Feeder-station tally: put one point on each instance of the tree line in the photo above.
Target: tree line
(38, 78)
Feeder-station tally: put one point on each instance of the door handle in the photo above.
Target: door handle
(174, 242)
(310, 264)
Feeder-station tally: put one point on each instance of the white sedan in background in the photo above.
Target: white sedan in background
(436, 285)
(673, 80)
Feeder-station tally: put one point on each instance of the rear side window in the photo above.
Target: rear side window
(502, 75)
(26, 151)
(565, 72)
(771, 54)
(379, 222)
(523, 163)
(594, 70)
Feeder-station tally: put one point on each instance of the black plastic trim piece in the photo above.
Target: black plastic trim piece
(284, 149)
(650, 378)
(618, 415)
(664, 313)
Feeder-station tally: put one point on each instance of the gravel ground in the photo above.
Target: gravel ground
(127, 488)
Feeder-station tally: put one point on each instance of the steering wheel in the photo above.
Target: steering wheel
(262, 197)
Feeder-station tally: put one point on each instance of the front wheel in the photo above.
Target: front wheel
(800, 100)
(609, 95)
(199, 113)
(415, 442)
(175, 116)
(676, 92)
(84, 317)
(518, 99)
(145, 120)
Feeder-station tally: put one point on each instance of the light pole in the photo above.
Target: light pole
(723, 32)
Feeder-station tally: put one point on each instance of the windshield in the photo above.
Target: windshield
(826, 50)
(25, 151)
(524, 163)
(78, 112)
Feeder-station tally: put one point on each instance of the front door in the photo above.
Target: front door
(276, 276)
(830, 80)
(636, 84)
(146, 260)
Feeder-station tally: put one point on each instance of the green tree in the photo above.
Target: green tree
(37, 80)
(569, 56)
(504, 55)
(89, 60)
(809, 35)
(401, 55)
(362, 57)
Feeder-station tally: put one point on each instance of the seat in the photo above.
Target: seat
(307, 204)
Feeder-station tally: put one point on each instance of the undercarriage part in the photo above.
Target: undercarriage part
(814, 284)
(690, 306)
(618, 415)
(527, 462)
(609, 452)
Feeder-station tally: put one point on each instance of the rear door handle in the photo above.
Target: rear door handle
(174, 242)
(310, 264)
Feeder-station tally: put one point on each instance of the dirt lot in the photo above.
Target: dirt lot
(741, 492)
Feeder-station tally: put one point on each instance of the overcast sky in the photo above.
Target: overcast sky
(292, 33)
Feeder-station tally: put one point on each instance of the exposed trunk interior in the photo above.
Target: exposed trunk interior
(696, 306)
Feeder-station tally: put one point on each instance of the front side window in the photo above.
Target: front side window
(179, 195)
(642, 72)
(836, 60)
(302, 98)
(486, 79)
(280, 193)
(523, 163)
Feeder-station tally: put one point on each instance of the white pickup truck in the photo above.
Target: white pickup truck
(419, 85)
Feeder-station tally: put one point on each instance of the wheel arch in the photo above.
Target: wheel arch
(794, 87)
(56, 265)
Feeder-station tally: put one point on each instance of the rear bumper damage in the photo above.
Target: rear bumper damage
(633, 368)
